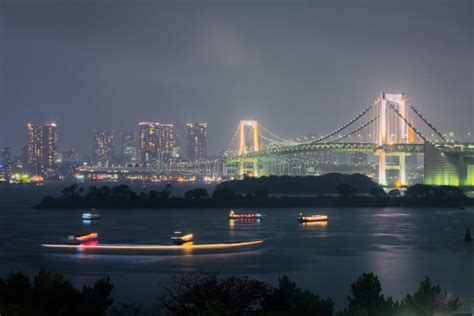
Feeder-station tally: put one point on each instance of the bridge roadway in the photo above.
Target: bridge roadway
(189, 168)
(351, 147)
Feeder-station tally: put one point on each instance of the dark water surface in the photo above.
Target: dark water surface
(401, 245)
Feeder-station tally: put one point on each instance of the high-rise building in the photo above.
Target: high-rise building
(69, 164)
(129, 149)
(42, 149)
(50, 147)
(7, 162)
(34, 148)
(165, 140)
(156, 141)
(103, 150)
(22, 161)
(148, 141)
(196, 140)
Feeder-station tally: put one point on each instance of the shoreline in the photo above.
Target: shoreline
(270, 202)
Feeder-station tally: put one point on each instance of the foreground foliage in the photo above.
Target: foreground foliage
(213, 294)
(49, 294)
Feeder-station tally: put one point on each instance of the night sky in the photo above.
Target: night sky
(294, 66)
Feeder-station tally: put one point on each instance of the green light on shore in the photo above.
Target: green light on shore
(443, 179)
(446, 180)
(470, 175)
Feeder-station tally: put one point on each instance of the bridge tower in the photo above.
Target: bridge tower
(392, 129)
(248, 166)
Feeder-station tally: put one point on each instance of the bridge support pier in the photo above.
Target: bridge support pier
(248, 167)
(382, 171)
(383, 167)
(403, 173)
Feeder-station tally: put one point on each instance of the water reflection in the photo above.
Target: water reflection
(314, 224)
(246, 221)
(320, 228)
(82, 246)
(187, 248)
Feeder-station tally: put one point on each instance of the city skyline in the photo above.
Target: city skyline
(41, 157)
(118, 140)
(308, 82)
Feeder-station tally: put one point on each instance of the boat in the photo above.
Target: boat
(312, 218)
(82, 238)
(180, 238)
(93, 214)
(242, 215)
(126, 248)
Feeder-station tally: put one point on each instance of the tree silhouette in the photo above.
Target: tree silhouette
(346, 190)
(223, 194)
(50, 294)
(394, 193)
(194, 294)
(367, 299)
(70, 191)
(196, 193)
(429, 299)
(377, 192)
(288, 299)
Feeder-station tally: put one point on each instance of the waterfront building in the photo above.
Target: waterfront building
(449, 168)
(165, 140)
(42, 149)
(156, 141)
(7, 162)
(34, 149)
(50, 147)
(21, 162)
(129, 149)
(69, 164)
(103, 148)
(148, 142)
(196, 140)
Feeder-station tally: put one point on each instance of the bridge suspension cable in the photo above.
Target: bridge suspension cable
(352, 132)
(269, 140)
(320, 139)
(434, 129)
(407, 122)
(231, 144)
(280, 139)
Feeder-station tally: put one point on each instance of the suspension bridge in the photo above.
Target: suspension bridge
(389, 127)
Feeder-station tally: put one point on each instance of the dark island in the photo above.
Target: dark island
(331, 190)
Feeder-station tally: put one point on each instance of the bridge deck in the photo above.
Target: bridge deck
(352, 147)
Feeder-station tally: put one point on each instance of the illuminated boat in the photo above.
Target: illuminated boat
(126, 248)
(312, 218)
(83, 238)
(180, 238)
(93, 214)
(242, 215)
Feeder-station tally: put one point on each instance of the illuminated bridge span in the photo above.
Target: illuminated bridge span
(389, 127)
(337, 147)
